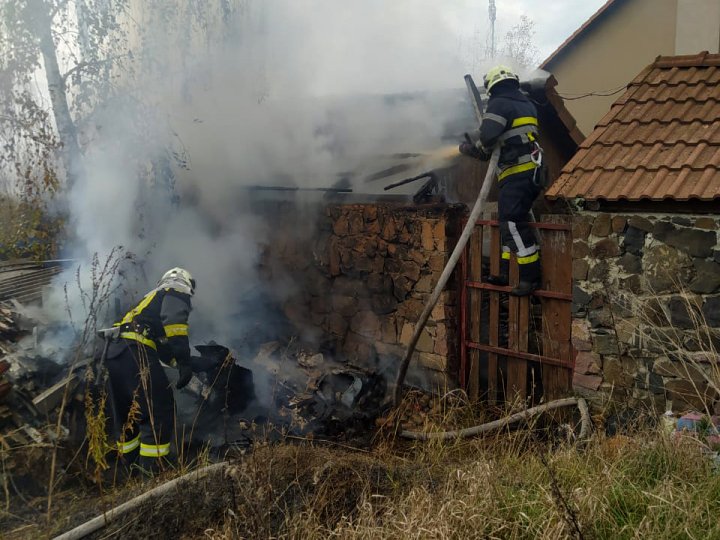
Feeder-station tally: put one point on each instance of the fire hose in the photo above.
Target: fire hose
(477, 103)
(103, 520)
(447, 272)
(585, 423)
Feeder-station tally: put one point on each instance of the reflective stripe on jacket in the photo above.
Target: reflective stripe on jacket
(160, 321)
(510, 121)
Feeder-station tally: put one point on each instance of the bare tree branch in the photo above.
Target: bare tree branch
(89, 65)
(520, 43)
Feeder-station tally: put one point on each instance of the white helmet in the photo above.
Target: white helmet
(179, 279)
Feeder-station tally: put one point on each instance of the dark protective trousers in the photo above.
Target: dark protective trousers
(515, 200)
(143, 403)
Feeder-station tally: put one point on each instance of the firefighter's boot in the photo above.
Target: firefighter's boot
(530, 279)
(502, 279)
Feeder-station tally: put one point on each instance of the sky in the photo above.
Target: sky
(554, 20)
(378, 46)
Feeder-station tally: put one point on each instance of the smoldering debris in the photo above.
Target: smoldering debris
(284, 389)
(26, 383)
(269, 389)
(9, 330)
(338, 400)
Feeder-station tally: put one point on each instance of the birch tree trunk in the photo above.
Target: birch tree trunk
(70, 154)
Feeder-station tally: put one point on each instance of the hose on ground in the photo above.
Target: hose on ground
(97, 523)
(586, 423)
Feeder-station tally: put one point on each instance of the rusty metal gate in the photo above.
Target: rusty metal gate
(516, 348)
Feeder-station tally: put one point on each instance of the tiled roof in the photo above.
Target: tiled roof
(660, 140)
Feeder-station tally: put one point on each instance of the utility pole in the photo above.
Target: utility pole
(492, 10)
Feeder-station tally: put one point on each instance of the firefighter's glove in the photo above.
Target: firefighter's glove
(484, 154)
(471, 150)
(184, 375)
(468, 149)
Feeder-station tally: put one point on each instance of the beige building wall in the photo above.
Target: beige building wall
(611, 53)
(698, 26)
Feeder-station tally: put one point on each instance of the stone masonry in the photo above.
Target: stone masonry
(361, 279)
(646, 307)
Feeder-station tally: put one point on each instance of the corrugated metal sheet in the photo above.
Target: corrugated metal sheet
(659, 141)
(25, 282)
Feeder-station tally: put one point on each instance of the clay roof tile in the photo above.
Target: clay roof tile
(659, 141)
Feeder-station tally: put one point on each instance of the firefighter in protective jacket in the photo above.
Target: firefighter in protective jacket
(511, 122)
(155, 329)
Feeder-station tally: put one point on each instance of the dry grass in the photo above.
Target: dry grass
(511, 486)
(645, 486)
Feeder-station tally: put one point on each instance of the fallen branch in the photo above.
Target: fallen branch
(503, 422)
(99, 522)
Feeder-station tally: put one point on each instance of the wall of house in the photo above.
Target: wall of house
(698, 26)
(611, 53)
(646, 307)
(359, 282)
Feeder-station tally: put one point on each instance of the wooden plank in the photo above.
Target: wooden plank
(52, 397)
(539, 293)
(556, 256)
(516, 367)
(530, 357)
(524, 339)
(474, 316)
(464, 291)
(523, 323)
(482, 317)
(494, 318)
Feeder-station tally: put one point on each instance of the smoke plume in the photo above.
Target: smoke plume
(281, 93)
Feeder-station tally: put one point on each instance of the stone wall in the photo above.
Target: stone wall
(646, 307)
(360, 279)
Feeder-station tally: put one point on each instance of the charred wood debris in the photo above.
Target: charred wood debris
(21, 379)
(282, 388)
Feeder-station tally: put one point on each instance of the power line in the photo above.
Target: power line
(573, 97)
(603, 93)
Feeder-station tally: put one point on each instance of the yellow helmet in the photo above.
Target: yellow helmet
(179, 279)
(497, 74)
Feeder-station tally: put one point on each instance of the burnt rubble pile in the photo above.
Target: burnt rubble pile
(8, 333)
(25, 378)
(286, 388)
(275, 387)
(324, 397)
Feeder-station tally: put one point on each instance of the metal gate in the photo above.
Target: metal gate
(516, 348)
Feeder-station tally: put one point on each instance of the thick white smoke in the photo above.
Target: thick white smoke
(289, 94)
